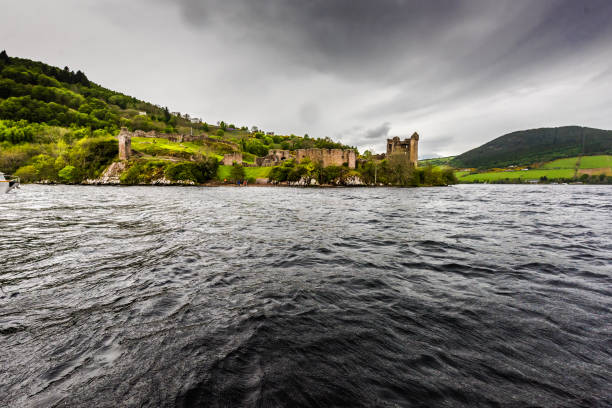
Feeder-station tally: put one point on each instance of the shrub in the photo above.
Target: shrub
(256, 147)
(69, 174)
(27, 174)
(198, 172)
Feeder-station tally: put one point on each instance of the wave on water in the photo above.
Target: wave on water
(484, 295)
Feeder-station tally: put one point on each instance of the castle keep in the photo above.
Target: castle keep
(409, 147)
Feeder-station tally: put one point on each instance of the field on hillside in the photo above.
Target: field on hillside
(515, 175)
(251, 172)
(595, 162)
(586, 162)
(569, 163)
(561, 168)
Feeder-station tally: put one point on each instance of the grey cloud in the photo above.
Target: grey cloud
(395, 37)
(459, 72)
(377, 133)
(366, 138)
(436, 53)
(309, 113)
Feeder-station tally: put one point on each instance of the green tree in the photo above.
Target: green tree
(256, 147)
(69, 174)
(237, 173)
(400, 170)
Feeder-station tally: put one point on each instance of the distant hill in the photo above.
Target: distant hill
(537, 145)
(436, 161)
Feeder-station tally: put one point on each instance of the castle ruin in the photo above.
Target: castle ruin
(328, 157)
(125, 144)
(231, 158)
(409, 147)
(273, 158)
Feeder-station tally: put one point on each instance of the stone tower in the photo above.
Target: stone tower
(409, 147)
(125, 144)
(414, 149)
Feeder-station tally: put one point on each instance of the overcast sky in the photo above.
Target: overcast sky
(459, 72)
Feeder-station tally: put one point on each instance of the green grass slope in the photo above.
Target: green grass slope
(223, 172)
(515, 175)
(568, 169)
(537, 145)
(595, 162)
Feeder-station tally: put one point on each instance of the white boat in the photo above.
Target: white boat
(7, 183)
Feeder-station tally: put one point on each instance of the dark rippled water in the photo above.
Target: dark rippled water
(255, 297)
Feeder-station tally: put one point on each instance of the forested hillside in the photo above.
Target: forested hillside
(37, 92)
(537, 145)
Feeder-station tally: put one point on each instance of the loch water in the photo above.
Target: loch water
(463, 296)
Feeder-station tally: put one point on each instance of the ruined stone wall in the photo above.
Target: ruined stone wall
(328, 157)
(125, 144)
(229, 159)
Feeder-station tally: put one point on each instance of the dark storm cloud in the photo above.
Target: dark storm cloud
(378, 132)
(435, 54)
(387, 40)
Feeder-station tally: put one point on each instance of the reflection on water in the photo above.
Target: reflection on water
(460, 296)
